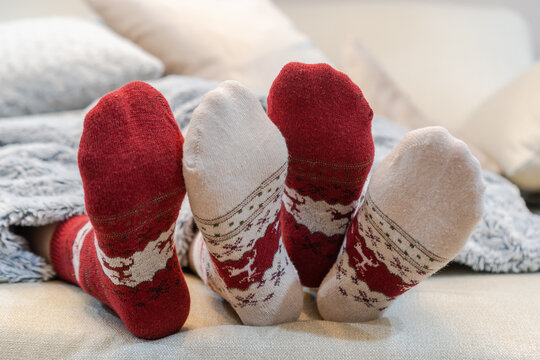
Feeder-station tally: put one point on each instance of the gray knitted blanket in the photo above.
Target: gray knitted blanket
(40, 184)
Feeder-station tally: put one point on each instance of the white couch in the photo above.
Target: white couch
(456, 314)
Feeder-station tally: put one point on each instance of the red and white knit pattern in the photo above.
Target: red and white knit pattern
(140, 266)
(326, 122)
(123, 252)
(228, 235)
(235, 166)
(318, 216)
(241, 256)
(260, 295)
(421, 206)
(378, 262)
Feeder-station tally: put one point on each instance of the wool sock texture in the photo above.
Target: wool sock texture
(421, 205)
(123, 253)
(235, 166)
(326, 122)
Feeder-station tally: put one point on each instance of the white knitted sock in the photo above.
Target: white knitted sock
(421, 205)
(235, 164)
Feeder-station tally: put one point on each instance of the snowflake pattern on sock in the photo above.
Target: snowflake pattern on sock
(242, 256)
(378, 262)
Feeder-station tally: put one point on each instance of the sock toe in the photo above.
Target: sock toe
(229, 120)
(316, 104)
(120, 133)
(447, 189)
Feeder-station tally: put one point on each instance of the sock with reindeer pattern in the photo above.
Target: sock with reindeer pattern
(326, 122)
(421, 205)
(235, 164)
(123, 253)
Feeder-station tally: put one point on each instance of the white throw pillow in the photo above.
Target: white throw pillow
(448, 57)
(57, 64)
(381, 91)
(507, 126)
(244, 40)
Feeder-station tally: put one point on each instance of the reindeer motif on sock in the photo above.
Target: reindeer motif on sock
(257, 278)
(123, 252)
(326, 122)
(402, 234)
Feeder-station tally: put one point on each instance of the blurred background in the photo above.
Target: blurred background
(468, 65)
(306, 14)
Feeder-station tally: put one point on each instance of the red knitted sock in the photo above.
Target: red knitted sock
(130, 159)
(326, 123)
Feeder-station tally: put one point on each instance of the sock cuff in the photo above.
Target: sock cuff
(62, 247)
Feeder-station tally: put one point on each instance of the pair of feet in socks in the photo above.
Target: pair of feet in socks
(276, 202)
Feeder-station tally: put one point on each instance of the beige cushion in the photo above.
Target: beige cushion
(507, 126)
(388, 100)
(244, 40)
(454, 315)
(447, 57)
